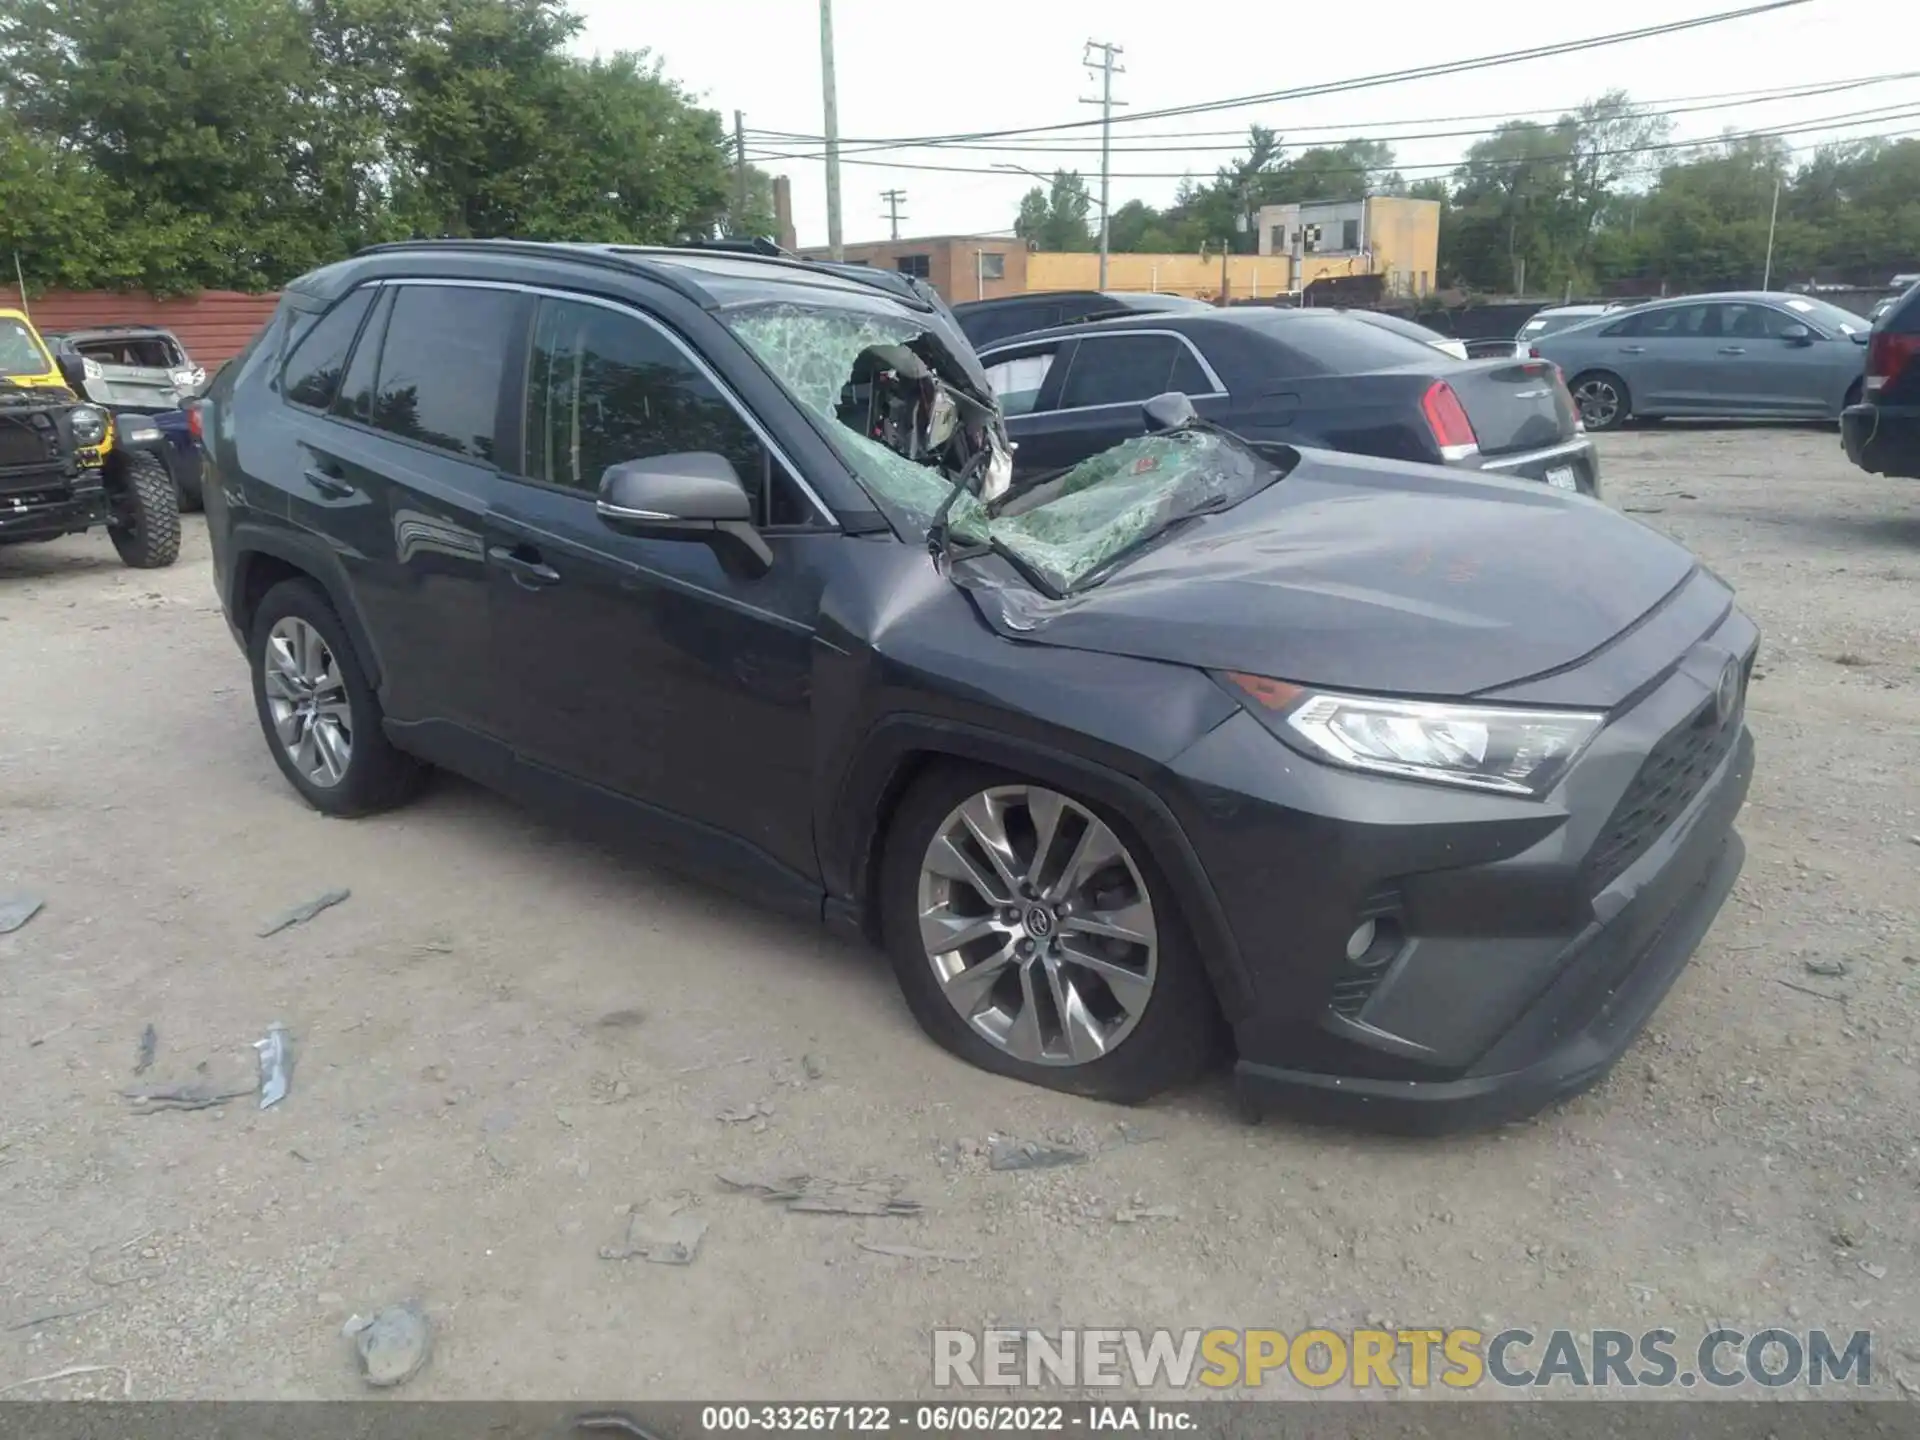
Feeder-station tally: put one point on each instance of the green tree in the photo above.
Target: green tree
(1056, 218)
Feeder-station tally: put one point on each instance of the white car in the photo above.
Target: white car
(1555, 317)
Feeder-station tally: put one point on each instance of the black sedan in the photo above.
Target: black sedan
(1290, 377)
(1422, 783)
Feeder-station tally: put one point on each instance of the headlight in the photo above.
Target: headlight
(186, 379)
(89, 424)
(1486, 747)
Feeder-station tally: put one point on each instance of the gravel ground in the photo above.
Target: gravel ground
(506, 1036)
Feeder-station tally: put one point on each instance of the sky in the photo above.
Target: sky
(918, 70)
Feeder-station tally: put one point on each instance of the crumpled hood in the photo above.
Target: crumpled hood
(1364, 574)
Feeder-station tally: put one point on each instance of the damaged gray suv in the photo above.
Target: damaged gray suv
(1411, 790)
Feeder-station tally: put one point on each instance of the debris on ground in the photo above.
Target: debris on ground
(620, 1020)
(1133, 1214)
(124, 1262)
(1832, 969)
(821, 1194)
(1816, 994)
(1872, 1271)
(16, 910)
(1004, 1153)
(392, 1344)
(915, 1252)
(661, 1231)
(199, 1095)
(758, 1110)
(812, 1065)
(273, 1065)
(46, 1317)
(149, 1046)
(302, 913)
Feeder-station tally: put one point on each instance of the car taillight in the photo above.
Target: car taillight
(1887, 355)
(1533, 353)
(1447, 419)
(193, 421)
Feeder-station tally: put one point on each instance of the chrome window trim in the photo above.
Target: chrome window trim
(1219, 391)
(821, 509)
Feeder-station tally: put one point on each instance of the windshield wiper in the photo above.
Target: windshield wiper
(940, 533)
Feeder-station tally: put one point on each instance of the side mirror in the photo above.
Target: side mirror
(1167, 412)
(691, 496)
(1797, 335)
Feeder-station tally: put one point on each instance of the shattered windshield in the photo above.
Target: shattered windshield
(880, 379)
(20, 353)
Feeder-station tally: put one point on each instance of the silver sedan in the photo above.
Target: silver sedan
(1746, 354)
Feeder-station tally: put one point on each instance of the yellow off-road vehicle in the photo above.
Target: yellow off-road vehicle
(66, 467)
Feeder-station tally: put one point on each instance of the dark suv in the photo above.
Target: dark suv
(1423, 783)
(1882, 433)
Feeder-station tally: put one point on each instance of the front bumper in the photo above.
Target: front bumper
(1525, 942)
(1883, 439)
(62, 505)
(1576, 457)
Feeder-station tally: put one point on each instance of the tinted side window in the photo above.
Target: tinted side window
(440, 366)
(1120, 369)
(604, 388)
(313, 369)
(1675, 322)
(357, 388)
(1188, 377)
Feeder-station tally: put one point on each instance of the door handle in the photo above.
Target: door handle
(1733, 349)
(328, 483)
(527, 569)
(1633, 349)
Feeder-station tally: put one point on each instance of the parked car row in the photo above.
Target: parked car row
(1417, 784)
(1743, 355)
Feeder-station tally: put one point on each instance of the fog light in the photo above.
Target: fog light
(1361, 940)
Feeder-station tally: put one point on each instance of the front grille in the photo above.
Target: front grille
(1672, 775)
(24, 443)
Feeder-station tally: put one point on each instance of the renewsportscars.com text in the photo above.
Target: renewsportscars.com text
(1459, 1359)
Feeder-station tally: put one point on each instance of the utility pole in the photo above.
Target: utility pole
(1766, 280)
(1107, 67)
(739, 172)
(831, 116)
(894, 199)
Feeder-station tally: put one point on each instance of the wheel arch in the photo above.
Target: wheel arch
(898, 750)
(263, 558)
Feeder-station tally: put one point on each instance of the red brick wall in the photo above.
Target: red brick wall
(214, 325)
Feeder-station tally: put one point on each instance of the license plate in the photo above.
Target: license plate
(1562, 479)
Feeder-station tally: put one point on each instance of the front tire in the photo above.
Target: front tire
(320, 717)
(146, 513)
(1033, 936)
(1603, 400)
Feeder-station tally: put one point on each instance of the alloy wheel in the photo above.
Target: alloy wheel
(1038, 925)
(1599, 402)
(307, 697)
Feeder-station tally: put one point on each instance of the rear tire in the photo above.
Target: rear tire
(1157, 1034)
(297, 621)
(146, 513)
(1603, 400)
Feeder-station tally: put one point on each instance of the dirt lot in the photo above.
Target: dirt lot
(506, 1035)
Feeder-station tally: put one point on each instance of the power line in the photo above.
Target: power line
(1905, 111)
(1367, 82)
(1371, 132)
(1772, 92)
